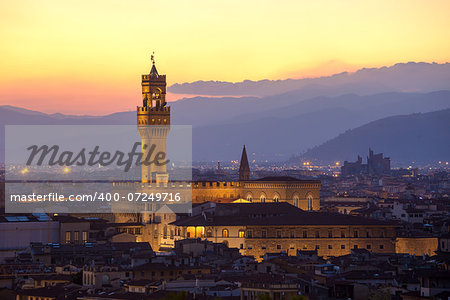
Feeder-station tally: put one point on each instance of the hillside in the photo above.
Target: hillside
(418, 137)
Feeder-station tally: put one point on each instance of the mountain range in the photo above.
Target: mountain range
(401, 77)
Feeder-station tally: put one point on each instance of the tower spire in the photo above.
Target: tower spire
(244, 168)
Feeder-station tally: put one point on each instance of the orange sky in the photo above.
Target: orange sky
(86, 57)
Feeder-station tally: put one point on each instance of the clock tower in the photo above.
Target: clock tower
(153, 121)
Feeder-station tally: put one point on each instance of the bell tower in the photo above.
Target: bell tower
(153, 121)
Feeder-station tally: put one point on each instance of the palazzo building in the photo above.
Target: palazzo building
(260, 228)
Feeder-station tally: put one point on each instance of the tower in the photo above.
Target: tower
(244, 169)
(153, 121)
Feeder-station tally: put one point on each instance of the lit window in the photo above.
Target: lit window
(225, 233)
(262, 198)
(85, 236)
(309, 200)
(241, 233)
(68, 237)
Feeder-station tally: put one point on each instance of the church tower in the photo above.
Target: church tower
(153, 121)
(244, 169)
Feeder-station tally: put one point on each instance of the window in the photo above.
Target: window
(367, 234)
(342, 234)
(355, 247)
(262, 198)
(317, 234)
(381, 246)
(276, 198)
(309, 200)
(249, 234)
(292, 234)
(381, 234)
(278, 247)
(76, 236)
(241, 246)
(305, 234)
(263, 247)
(68, 237)
(330, 247)
(342, 246)
(263, 234)
(241, 233)
(330, 234)
(317, 247)
(368, 246)
(225, 233)
(278, 233)
(209, 233)
(355, 234)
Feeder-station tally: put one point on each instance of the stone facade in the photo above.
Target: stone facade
(257, 229)
(304, 194)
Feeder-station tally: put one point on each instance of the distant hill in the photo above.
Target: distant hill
(418, 137)
(401, 77)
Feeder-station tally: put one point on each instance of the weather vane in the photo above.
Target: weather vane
(153, 57)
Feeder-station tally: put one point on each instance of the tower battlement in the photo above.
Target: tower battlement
(155, 78)
(147, 109)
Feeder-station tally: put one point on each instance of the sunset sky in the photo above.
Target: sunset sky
(86, 57)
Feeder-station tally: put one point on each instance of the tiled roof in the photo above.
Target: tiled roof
(271, 214)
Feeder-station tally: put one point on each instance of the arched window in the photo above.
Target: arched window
(249, 197)
(309, 200)
(296, 200)
(225, 233)
(262, 198)
(241, 233)
(209, 233)
(276, 198)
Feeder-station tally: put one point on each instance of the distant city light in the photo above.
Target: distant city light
(24, 171)
(66, 170)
